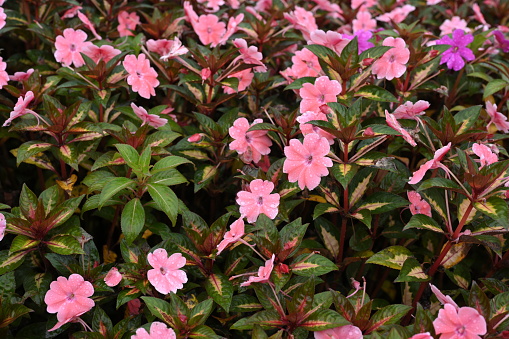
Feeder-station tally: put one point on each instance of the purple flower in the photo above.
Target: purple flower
(362, 39)
(454, 56)
(502, 42)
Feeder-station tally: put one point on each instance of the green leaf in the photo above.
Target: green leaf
(144, 161)
(11, 262)
(495, 208)
(169, 162)
(478, 300)
(329, 234)
(114, 186)
(65, 244)
(323, 208)
(127, 295)
(204, 332)
(130, 155)
(31, 148)
(466, 118)
(132, 220)
(22, 242)
(412, 272)
(344, 173)
(376, 93)
(387, 315)
(422, 221)
(160, 308)
(244, 303)
(201, 312)
(314, 265)
(381, 202)
(393, 257)
(374, 52)
(266, 319)
(220, 288)
(350, 54)
(440, 182)
(493, 87)
(165, 199)
(323, 320)
(297, 83)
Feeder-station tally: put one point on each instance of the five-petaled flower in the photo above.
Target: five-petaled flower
(417, 204)
(393, 63)
(306, 162)
(70, 45)
(323, 91)
(69, 298)
(431, 164)
(409, 110)
(250, 145)
(158, 330)
(485, 154)
(454, 56)
(459, 323)
(233, 235)
(263, 273)
(127, 22)
(258, 200)
(142, 77)
(166, 276)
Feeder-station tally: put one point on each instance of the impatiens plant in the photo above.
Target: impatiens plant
(254, 169)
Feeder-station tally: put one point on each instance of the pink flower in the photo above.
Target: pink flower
(409, 110)
(397, 15)
(486, 156)
(478, 14)
(302, 20)
(444, 299)
(3, 16)
(305, 64)
(258, 200)
(113, 277)
(21, 76)
(393, 63)
(191, 15)
(21, 109)
(323, 91)
(165, 275)
(424, 335)
(341, 332)
(251, 145)
(450, 26)
(3, 226)
(462, 323)
(245, 78)
(88, 25)
(69, 298)
(105, 52)
(195, 137)
(142, 77)
(205, 73)
(393, 123)
(71, 12)
(330, 39)
(158, 330)
(127, 22)
(497, 118)
(307, 162)
(431, 164)
(418, 205)
(231, 28)
(249, 55)
(233, 235)
(364, 3)
(209, 29)
(4, 77)
(363, 21)
(150, 119)
(69, 46)
(133, 306)
(433, 2)
(308, 128)
(263, 273)
(167, 49)
(212, 4)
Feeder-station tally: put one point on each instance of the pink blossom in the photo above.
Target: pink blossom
(397, 15)
(258, 200)
(71, 12)
(209, 29)
(191, 15)
(165, 275)
(363, 21)
(113, 277)
(251, 145)
(302, 20)
(409, 110)
(205, 73)
(433, 2)
(307, 162)
(88, 25)
(249, 55)
(263, 5)
(323, 91)
(431, 164)
(453, 24)
(393, 123)
(4, 77)
(364, 3)
(418, 205)
(105, 52)
(486, 156)
(3, 18)
(167, 49)
(69, 46)
(69, 298)
(330, 39)
(305, 64)
(444, 299)
(212, 4)
(150, 119)
(231, 28)
(142, 77)
(393, 63)
(425, 335)
(3, 226)
(245, 78)
(478, 14)
(233, 235)
(462, 323)
(309, 128)
(235, 4)
(21, 76)
(133, 306)
(158, 330)
(497, 118)
(21, 109)
(334, 10)
(127, 22)
(195, 137)
(341, 332)
(263, 273)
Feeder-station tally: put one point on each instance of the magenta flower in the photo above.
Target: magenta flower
(21, 109)
(69, 46)
(105, 52)
(113, 277)
(3, 226)
(233, 235)
(393, 63)
(127, 22)
(258, 200)
(251, 145)
(393, 123)
(486, 156)
(158, 330)
(502, 42)
(497, 118)
(462, 323)
(69, 298)
(142, 77)
(341, 332)
(309, 128)
(307, 162)
(4, 77)
(323, 91)
(362, 39)
(165, 275)
(150, 119)
(431, 164)
(409, 110)
(263, 273)
(454, 56)
(417, 204)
